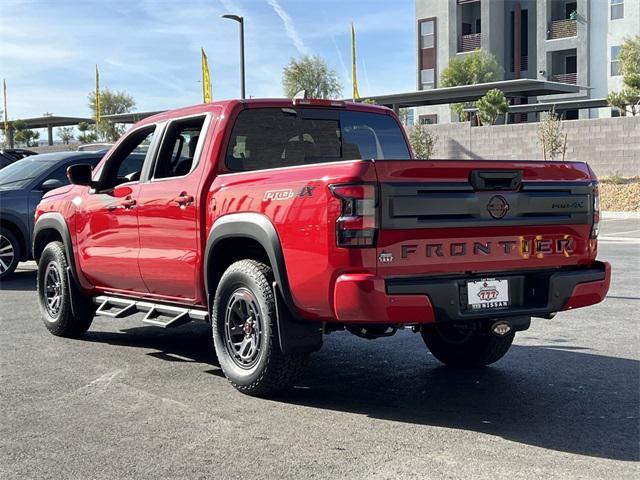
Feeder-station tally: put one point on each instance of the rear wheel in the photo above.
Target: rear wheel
(464, 346)
(54, 295)
(9, 253)
(245, 332)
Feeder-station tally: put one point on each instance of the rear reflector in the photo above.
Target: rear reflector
(357, 224)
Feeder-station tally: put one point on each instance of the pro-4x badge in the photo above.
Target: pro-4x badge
(385, 257)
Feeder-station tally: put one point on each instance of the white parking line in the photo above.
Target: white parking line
(619, 240)
(620, 233)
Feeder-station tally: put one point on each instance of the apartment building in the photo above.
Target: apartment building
(568, 41)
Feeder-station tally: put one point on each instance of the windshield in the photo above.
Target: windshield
(19, 173)
(283, 137)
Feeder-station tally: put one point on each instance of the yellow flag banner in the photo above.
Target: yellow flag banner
(98, 108)
(6, 118)
(354, 77)
(206, 79)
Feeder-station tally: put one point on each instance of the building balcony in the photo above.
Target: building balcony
(562, 29)
(469, 43)
(524, 64)
(571, 78)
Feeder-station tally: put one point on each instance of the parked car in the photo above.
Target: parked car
(10, 155)
(22, 185)
(279, 221)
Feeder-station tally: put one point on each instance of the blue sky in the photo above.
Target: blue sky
(151, 48)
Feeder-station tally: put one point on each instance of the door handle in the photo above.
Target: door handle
(184, 200)
(128, 202)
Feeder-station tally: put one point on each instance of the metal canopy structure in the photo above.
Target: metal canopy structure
(131, 117)
(48, 122)
(522, 87)
(557, 106)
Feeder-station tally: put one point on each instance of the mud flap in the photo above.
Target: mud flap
(295, 336)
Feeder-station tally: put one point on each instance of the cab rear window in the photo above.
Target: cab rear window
(281, 137)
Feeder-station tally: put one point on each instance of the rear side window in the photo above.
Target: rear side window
(282, 137)
(179, 148)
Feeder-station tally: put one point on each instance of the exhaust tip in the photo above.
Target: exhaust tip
(501, 328)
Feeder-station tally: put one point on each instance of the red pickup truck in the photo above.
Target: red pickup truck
(278, 221)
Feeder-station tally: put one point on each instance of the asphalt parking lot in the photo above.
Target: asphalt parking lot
(130, 401)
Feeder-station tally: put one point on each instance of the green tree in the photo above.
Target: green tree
(422, 142)
(65, 134)
(550, 136)
(87, 133)
(491, 105)
(629, 97)
(23, 135)
(479, 66)
(312, 74)
(111, 103)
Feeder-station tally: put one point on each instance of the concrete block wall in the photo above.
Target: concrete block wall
(609, 145)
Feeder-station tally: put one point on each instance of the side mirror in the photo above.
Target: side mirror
(80, 174)
(51, 184)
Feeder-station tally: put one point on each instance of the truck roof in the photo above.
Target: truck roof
(229, 105)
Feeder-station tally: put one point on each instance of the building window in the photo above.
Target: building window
(615, 61)
(409, 117)
(427, 78)
(427, 34)
(617, 9)
(430, 119)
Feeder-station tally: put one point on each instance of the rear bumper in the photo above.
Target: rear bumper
(365, 298)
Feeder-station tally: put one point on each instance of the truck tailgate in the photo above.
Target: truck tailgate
(440, 217)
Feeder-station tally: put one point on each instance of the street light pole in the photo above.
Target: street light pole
(240, 20)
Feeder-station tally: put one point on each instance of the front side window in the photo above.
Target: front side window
(125, 164)
(60, 173)
(281, 137)
(617, 9)
(179, 148)
(615, 61)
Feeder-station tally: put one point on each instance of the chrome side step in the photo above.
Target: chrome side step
(157, 314)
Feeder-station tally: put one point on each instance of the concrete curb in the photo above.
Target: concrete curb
(625, 215)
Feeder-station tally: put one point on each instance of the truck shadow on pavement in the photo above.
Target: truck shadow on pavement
(555, 396)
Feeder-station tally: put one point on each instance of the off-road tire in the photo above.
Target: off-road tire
(8, 236)
(63, 322)
(273, 371)
(476, 348)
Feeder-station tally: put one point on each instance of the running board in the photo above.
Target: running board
(157, 314)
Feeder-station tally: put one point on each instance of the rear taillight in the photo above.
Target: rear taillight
(595, 229)
(357, 224)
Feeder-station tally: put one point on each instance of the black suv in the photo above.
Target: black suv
(22, 185)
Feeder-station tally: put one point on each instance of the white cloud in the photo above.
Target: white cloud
(290, 28)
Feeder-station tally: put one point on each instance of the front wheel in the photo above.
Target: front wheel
(245, 332)
(54, 295)
(464, 346)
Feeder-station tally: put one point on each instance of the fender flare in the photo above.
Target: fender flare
(295, 336)
(256, 227)
(55, 221)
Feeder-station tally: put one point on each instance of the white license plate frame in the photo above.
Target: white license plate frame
(488, 294)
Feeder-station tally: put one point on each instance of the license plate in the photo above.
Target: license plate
(488, 293)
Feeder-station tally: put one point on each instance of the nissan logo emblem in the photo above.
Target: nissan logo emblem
(497, 207)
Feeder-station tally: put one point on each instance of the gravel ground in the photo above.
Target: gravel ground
(130, 401)
(623, 195)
